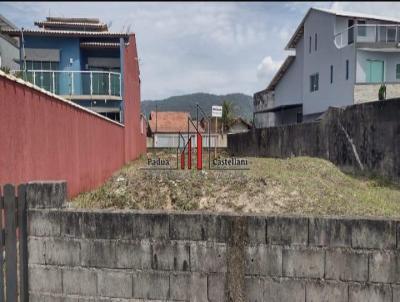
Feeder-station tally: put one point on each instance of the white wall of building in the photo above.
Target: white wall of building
(289, 90)
(340, 92)
(9, 53)
(294, 87)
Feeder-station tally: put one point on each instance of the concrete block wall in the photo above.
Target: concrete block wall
(369, 129)
(80, 255)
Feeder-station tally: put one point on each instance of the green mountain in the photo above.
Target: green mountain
(242, 104)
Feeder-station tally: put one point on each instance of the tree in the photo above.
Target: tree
(227, 114)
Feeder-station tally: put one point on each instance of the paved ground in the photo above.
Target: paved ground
(299, 185)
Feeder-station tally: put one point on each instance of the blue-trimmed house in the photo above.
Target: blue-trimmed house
(78, 59)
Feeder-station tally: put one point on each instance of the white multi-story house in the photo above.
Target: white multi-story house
(9, 49)
(341, 58)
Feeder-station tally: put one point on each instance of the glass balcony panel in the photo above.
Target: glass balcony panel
(29, 76)
(366, 33)
(56, 87)
(85, 77)
(65, 83)
(100, 83)
(75, 82)
(391, 34)
(115, 84)
(382, 33)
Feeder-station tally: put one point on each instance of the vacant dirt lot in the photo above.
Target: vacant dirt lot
(299, 185)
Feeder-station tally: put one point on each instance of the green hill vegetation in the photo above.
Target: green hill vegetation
(242, 104)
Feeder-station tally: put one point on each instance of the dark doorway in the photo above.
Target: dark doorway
(350, 33)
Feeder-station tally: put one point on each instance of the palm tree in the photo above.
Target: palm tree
(227, 114)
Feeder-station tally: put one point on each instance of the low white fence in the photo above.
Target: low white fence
(172, 141)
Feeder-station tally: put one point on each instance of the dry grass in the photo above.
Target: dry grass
(299, 185)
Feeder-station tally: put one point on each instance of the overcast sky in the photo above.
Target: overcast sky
(220, 48)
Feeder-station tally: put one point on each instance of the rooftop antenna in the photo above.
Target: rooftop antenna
(128, 30)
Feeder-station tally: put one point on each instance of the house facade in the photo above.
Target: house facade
(169, 129)
(340, 59)
(9, 49)
(78, 59)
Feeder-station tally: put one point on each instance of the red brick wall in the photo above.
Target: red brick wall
(44, 138)
(135, 142)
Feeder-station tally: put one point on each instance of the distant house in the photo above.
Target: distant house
(239, 125)
(341, 58)
(164, 128)
(9, 49)
(78, 59)
(216, 125)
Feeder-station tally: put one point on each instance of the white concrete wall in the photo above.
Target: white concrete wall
(9, 53)
(340, 92)
(290, 88)
(170, 140)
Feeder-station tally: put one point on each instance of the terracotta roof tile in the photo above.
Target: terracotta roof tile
(171, 122)
(66, 33)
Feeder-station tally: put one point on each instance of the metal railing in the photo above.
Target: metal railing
(368, 33)
(74, 82)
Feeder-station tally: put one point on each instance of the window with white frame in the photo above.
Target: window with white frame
(314, 79)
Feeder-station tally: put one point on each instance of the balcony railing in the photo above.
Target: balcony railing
(368, 33)
(73, 83)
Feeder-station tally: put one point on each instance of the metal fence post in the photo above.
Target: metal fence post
(54, 83)
(120, 85)
(109, 83)
(91, 83)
